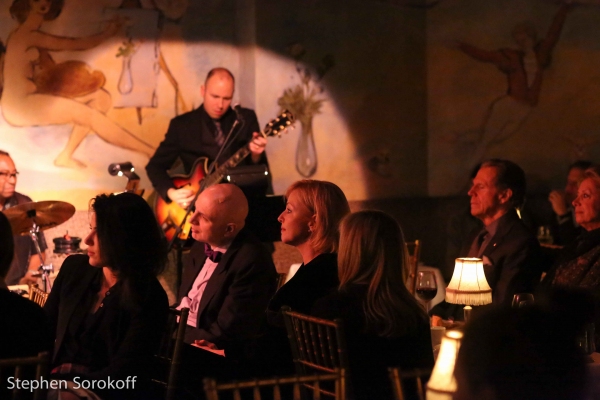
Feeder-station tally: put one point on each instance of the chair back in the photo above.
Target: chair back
(169, 353)
(17, 368)
(409, 384)
(37, 295)
(414, 255)
(318, 345)
(252, 388)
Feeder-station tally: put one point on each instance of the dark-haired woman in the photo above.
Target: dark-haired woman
(385, 326)
(107, 308)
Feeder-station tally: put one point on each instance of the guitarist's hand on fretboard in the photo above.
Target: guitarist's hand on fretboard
(182, 196)
(257, 146)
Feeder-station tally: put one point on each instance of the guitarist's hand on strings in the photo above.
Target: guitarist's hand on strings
(182, 196)
(257, 146)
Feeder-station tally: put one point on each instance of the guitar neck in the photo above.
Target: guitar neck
(232, 162)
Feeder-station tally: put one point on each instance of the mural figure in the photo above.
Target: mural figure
(39, 92)
(523, 68)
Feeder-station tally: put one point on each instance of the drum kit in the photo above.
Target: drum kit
(31, 218)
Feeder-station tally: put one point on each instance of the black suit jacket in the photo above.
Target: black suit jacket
(192, 135)
(511, 263)
(236, 295)
(127, 335)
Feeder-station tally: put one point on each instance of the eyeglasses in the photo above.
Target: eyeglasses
(6, 174)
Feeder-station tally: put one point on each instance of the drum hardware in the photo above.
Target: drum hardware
(31, 218)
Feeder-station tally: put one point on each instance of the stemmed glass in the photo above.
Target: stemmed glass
(426, 286)
(522, 300)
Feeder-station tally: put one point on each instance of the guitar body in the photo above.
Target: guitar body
(170, 215)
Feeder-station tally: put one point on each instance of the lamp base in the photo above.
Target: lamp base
(467, 310)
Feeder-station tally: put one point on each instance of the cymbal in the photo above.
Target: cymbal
(45, 214)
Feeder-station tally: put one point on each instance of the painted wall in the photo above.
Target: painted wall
(98, 98)
(468, 96)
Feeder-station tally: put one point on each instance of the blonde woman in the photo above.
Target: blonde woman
(385, 326)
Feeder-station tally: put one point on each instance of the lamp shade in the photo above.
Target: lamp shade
(468, 284)
(442, 384)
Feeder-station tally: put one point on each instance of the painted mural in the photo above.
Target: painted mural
(515, 80)
(86, 84)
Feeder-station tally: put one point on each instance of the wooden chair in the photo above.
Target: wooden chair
(169, 355)
(414, 255)
(37, 295)
(253, 388)
(417, 378)
(318, 345)
(17, 368)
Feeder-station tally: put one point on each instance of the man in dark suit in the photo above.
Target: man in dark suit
(509, 250)
(202, 132)
(227, 283)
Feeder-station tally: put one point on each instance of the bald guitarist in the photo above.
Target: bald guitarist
(201, 132)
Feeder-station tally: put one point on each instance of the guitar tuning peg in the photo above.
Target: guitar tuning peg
(270, 124)
(280, 127)
(288, 123)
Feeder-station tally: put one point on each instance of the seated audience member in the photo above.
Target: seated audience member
(26, 262)
(25, 329)
(566, 228)
(509, 250)
(227, 283)
(385, 325)
(520, 354)
(107, 308)
(578, 264)
(310, 223)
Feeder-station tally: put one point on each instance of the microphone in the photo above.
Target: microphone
(238, 112)
(120, 168)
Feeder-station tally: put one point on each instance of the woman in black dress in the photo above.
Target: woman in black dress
(310, 223)
(107, 309)
(385, 326)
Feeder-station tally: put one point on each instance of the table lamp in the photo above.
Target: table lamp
(442, 383)
(468, 285)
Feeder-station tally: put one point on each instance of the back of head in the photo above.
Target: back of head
(130, 239)
(329, 205)
(525, 353)
(510, 176)
(6, 245)
(230, 202)
(373, 253)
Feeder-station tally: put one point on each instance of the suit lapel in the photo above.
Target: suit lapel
(217, 279)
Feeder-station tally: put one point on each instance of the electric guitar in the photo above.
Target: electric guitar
(170, 215)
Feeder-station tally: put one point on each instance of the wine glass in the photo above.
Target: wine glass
(426, 286)
(522, 300)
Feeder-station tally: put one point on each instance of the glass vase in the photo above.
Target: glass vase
(306, 153)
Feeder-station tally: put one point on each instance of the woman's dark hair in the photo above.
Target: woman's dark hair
(20, 9)
(7, 245)
(372, 252)
(131, 242)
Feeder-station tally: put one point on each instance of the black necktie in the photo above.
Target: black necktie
(214, 256)
(476, 245)
(220, 137)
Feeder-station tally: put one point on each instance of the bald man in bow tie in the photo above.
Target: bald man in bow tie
(229, 276)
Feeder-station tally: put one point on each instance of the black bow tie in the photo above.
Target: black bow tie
(214, 256)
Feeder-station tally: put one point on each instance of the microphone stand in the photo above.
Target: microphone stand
(226, 144)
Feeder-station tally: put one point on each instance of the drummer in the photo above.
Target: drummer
(26, 261)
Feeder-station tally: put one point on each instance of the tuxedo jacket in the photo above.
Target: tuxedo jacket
(236, 295)
(125, 338)
(192, 135)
